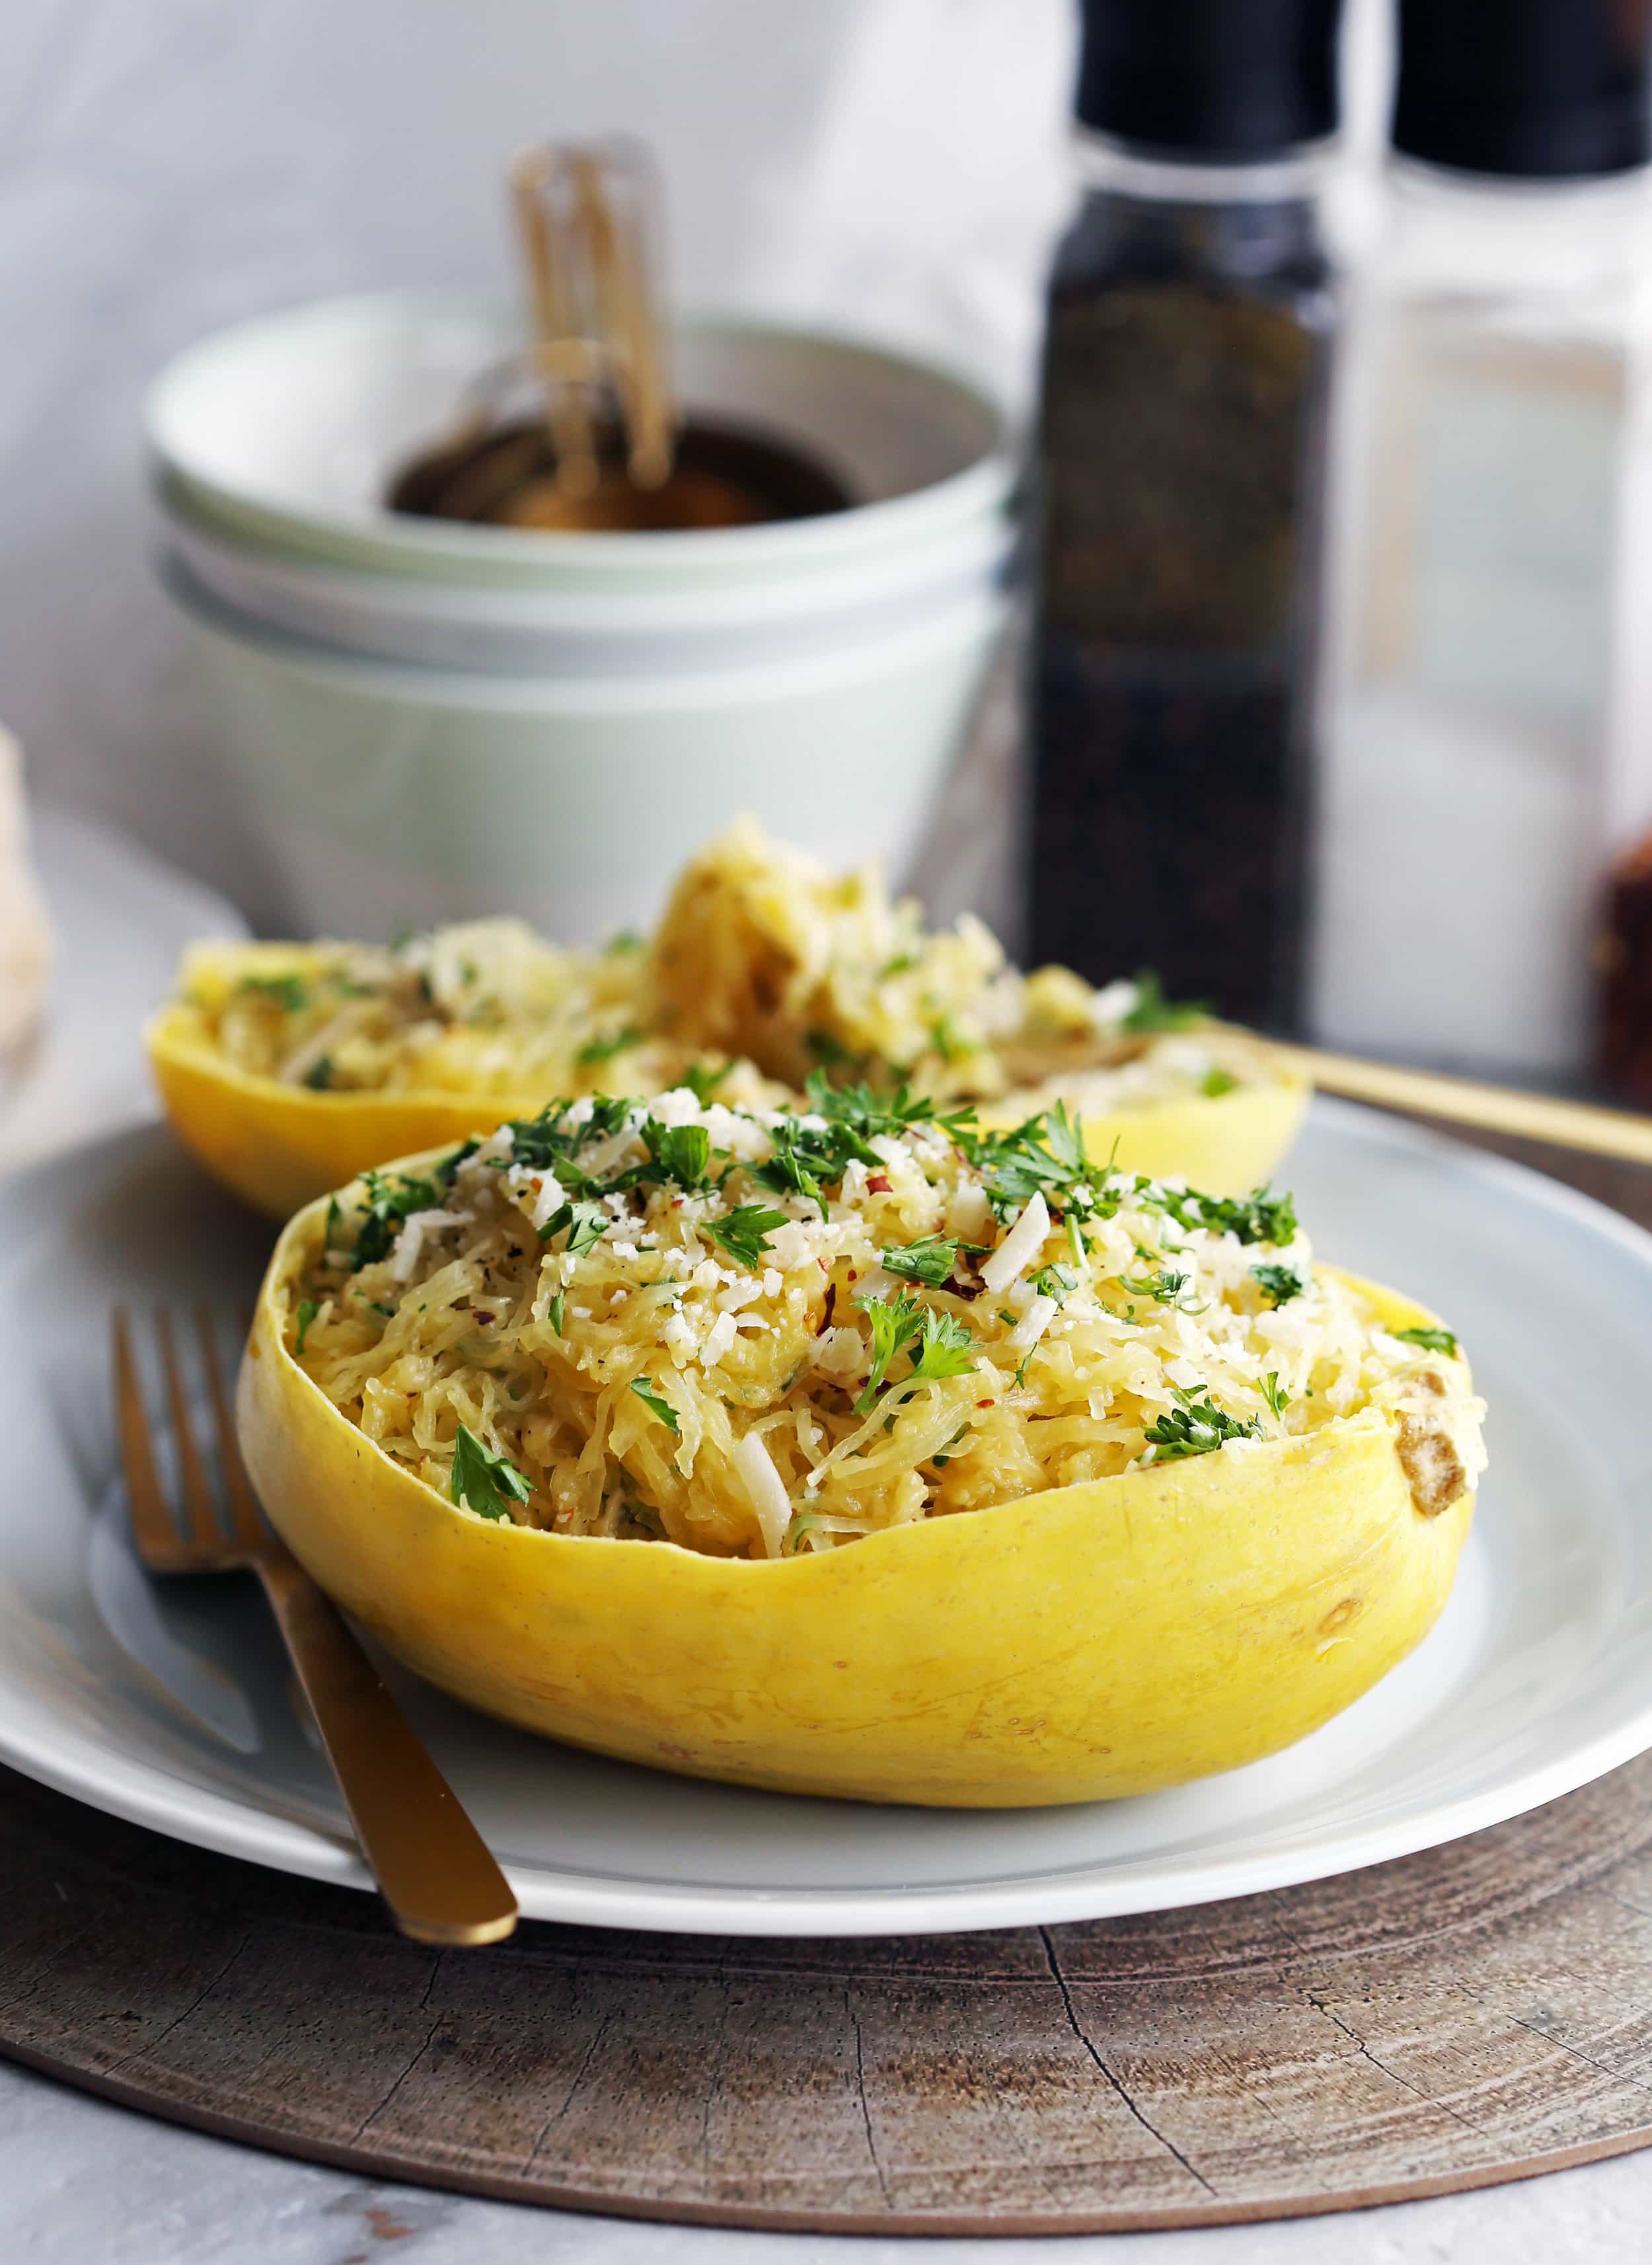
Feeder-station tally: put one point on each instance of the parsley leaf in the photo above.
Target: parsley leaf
(661, 1407)
(948, 1348)
(586, 1222)
(289, 993)
(1055, 1282)
(1279, 1284)
(1277, 1400)
(1196, 1426)
(895, 1322)
(1431, 1340)
(555, 1310)
(682, 1151)
(318, 1077)
(389, 1204)
(1215, 1082)
(601, 1050)
(1152, 1011)
(1259, 1217)
(744, 1233)
(308, 1310)
(703, 1079)
(928, 1261)
(484, 1482)
(1166, 1286)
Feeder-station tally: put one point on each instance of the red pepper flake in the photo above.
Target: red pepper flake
(983, 1403)
(878, 1184)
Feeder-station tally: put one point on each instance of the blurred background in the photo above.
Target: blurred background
(174, 165)
(1459, 698)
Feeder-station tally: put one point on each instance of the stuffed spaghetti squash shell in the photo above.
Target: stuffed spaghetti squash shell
(289, 1069)
(1213, 1600)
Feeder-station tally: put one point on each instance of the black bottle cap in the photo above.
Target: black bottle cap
(1529, 87)
(1223, 82)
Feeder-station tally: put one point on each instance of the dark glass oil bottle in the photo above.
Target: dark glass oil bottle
(1185, 390)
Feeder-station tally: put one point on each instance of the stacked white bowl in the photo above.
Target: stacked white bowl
(428, 720)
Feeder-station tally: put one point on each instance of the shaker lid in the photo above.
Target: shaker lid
(1223, 82)
(1525, 88)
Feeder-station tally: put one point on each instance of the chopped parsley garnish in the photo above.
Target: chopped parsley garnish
(308, 1310)
(1279, 1284)
(1259, 1217)
(1215, 1082)
(895, 1322)
(586, 1222)
(555, 1309)
(948, 1348)
(682, 1151)
(484, 1482)
(289, 993)
(702, 1080)
(1278, 1401)
(929, 1261)
(1166, 1286)
(389, 1204)
(1152, 1011)
(945, 1346)
(660, 1406)
(624, 939)
(826, 1048)
(744, 1231)
(318, 1078)
(1196, 1426)
(601, 1050)
(1045, 1156)
(1431, 1340)
(1055, 1282)
(862, 1113)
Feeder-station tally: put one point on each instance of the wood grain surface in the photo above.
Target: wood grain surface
(1479, 2013)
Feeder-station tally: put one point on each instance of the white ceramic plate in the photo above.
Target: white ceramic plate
(120, 920)
(171, 1706)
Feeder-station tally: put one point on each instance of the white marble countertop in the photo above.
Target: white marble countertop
(84, 2183)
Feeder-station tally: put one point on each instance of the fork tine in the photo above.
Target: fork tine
(244, 1515)
(201, 1511)
(152, 1526)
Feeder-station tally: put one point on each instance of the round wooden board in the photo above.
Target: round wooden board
(1480, 2012)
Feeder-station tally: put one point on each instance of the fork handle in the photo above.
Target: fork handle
(433, 1868)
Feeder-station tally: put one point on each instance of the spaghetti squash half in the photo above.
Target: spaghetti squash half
(857, 1449)
(289, 1069)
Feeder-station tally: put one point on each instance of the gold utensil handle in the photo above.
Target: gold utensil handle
(1464, 1101)
(433, 1866)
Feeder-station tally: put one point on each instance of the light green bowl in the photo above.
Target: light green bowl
(281, 433)
(385, 793)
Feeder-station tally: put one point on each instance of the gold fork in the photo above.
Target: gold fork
(434, 1870)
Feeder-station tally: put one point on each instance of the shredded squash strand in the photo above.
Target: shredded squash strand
(750, 1332)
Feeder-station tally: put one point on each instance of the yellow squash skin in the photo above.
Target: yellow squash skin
(1227, 1146)
(1081, 1644)
(279, 1146)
